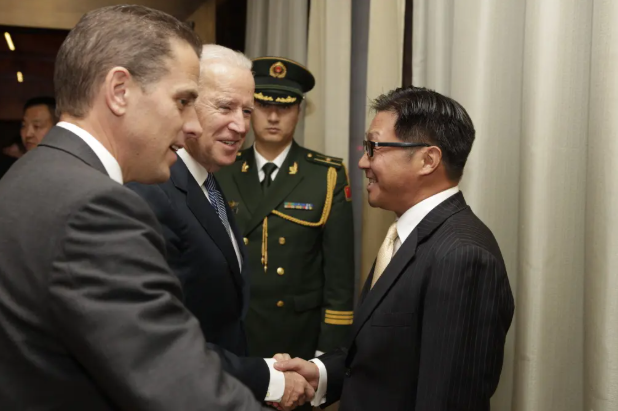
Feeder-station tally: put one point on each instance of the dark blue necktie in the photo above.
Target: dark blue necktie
(216, 199)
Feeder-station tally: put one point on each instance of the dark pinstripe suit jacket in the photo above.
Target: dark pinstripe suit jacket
(430, 335)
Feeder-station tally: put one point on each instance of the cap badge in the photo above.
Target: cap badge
(278, 70)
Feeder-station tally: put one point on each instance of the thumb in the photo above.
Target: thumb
(288, 365)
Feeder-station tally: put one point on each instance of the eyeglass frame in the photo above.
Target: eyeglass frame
(369, 146)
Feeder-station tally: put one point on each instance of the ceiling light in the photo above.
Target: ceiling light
(9, 40)
(20, 77)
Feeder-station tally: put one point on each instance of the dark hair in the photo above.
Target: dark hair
(50, 102)
(425, 116)
(134, 37)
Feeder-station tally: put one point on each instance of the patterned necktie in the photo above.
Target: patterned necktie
(385, 254)
(268, 169)
(216, 199)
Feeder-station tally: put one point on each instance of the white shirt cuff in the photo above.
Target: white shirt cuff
(276, 385)
(320, 394)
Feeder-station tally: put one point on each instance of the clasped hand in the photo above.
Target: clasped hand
(301, 381)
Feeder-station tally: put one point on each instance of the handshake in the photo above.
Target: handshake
(301, 381)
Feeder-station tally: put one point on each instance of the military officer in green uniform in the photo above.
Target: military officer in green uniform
(293, 207)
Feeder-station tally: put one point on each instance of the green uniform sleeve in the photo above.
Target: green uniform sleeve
(338, 252)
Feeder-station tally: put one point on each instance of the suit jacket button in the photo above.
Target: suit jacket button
(280, 271)
(246, 240)
(281, 240)
(280, 304)
(348, 372)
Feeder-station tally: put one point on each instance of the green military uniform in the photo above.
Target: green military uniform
(300, 243)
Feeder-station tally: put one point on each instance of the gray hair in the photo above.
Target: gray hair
(213, 53)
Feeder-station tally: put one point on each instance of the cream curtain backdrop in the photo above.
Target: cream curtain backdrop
(539, 80)
(277, 28)
(327, 115)
(384, 62)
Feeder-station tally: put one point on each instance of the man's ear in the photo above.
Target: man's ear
(117, 90)
(431, 157)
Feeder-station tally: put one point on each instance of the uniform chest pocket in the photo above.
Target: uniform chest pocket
(388, 319)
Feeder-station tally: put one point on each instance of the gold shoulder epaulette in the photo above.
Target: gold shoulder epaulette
(324, 159)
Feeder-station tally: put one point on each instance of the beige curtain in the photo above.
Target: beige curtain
(538, 79)
(278, 28)
(327, 116)
(384, 62)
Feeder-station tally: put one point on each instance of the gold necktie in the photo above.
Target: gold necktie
(386, 253)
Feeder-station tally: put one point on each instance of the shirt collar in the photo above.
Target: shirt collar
(411, 218)
(197, 170)
(109, 162)
(260, 160)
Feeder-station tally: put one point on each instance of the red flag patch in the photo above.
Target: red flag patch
(348, 193)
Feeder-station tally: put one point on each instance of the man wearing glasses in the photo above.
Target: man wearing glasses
(429, 330)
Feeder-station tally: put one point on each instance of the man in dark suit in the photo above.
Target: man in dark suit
(91, 316)
(430, 327)
(204, 247)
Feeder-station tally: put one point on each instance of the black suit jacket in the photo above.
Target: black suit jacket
(201, 253)
(91, 316)
(430, 334)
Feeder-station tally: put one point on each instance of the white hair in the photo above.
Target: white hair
(213, 53)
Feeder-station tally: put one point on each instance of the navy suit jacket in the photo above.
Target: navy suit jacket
(201, 253)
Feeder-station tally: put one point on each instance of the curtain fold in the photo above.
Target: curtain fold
(538, 79)
(327, 115)
(384, 62)
(601, 238)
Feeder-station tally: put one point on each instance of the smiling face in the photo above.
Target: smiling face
(160, 119)
(394, 173)
(224, 109)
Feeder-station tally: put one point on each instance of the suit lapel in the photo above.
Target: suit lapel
(205, 213)
(65, 140)
(393, 270)
(248, 183)
(371, 298)
(282, 186)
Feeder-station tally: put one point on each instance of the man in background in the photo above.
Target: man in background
(204, 246)
(39, 118)
(294, 211)
(91, 316)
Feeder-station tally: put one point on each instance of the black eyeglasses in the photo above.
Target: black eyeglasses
(370, 146)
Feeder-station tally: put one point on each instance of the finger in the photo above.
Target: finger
(282, 357)
(289, 365)
(309, 392)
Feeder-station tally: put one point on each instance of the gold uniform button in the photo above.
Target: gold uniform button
(280, 271)
(246, 240)
(281, 240)
(309, 155)
(280, 304)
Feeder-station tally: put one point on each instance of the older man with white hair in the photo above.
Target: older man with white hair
(204, 246)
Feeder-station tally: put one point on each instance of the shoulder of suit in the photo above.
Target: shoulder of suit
(322, 159)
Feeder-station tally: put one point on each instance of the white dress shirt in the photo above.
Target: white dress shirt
(109, 162)
(405, 225)
(260, 161)
(276, 385)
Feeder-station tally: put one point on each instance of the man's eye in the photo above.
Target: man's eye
(248, 112)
